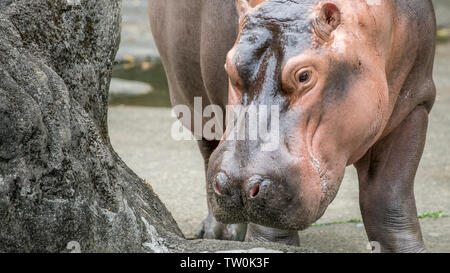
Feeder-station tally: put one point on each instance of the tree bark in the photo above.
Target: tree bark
(60, 180)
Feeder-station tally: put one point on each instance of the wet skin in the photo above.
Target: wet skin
(353, 82)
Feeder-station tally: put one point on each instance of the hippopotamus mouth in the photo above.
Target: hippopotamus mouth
(277, 196)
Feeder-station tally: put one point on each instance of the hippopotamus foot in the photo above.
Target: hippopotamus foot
(212, 229)
(257, 233)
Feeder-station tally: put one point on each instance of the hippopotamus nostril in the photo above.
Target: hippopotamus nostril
(217, 188)
(254, 191)
(221, 184)
(254, 186)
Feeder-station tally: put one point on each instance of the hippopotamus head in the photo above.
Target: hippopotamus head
(321, 65)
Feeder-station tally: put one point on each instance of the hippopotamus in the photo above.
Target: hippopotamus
(353, 84)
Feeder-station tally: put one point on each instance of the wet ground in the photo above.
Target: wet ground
(148, 71)
(141, 135)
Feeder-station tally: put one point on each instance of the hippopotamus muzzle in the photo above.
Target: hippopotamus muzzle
(240, 192)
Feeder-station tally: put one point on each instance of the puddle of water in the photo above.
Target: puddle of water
(148, 71)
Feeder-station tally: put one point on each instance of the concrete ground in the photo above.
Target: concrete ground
(142, 138)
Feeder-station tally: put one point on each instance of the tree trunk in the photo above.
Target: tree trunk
(60, 180)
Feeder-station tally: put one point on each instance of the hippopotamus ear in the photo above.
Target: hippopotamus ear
(328, 19)
(243, 8)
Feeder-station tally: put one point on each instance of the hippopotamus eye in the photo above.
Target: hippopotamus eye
(298, 79)
(304, 77)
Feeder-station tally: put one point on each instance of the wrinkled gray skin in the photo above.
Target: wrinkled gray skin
(193, 38)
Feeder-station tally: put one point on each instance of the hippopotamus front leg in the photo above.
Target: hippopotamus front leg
(386, 178)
